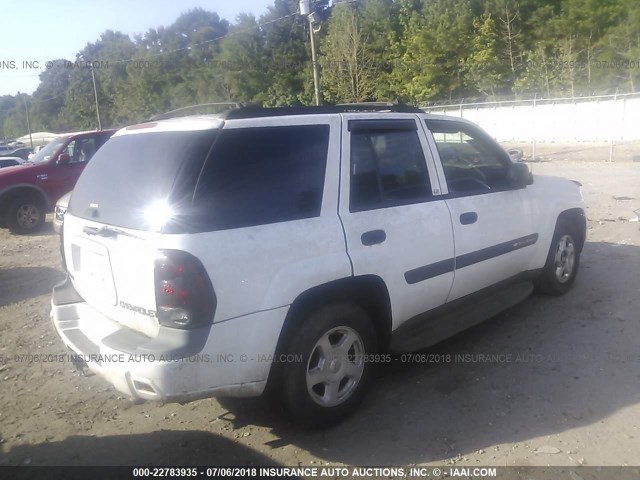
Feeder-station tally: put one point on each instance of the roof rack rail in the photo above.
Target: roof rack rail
(193, 110)
(380, 106)
(237, 110)
(252, 111)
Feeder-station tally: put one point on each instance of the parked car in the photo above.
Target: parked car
(58, 212)
(23, 153)
(10, 161)
(294, 248)
(27, 193)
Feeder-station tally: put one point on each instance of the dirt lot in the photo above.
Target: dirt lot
(567, 395)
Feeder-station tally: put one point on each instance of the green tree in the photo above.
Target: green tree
(618, 52)
(432, 49)
(242, 62)
(485, 71)
(13, 119)
(348, 65)
(48, 100)
(380, 20)
(107, 58)
(289, 72)
(538, 74)
(414, 50)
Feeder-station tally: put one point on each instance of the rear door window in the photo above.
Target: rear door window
(388, 166)
(263, 175)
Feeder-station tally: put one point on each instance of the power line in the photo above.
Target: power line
(168, 52)
(47, 99)
(221, 37)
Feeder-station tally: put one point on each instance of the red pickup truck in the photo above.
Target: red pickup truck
(29, 191)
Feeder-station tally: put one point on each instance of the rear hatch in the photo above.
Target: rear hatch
(123, 205)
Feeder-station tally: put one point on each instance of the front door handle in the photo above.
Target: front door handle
(468, 218)
(373, 237)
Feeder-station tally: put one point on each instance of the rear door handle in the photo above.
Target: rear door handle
(468, 218)
(373, 237)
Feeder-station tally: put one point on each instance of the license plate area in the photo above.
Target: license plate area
(92, 272)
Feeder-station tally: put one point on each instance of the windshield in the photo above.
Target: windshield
(44, 155)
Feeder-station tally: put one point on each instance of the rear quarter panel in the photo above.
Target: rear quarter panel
(260, 268)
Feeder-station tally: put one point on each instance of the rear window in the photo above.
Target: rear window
(263, 175)
(132, 173)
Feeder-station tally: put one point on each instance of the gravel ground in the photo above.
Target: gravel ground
(564, 391)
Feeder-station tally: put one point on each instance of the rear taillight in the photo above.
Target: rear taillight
(184, 295)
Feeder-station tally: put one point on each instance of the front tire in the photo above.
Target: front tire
(328, 379)
(25, 215)
(562, 263)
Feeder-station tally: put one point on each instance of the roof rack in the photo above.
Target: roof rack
(199, 110)
(237, 110)
(378, 106)
(253, 111)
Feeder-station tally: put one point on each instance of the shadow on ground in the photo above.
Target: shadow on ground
(46, 230)
(164, 447)
(21, 283)
(572, 361)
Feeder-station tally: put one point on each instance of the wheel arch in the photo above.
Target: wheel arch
(15, 191)
(367, 291)
(577, 218)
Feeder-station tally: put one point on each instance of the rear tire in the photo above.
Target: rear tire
(562, 263)
(25, 215)
(328, 378)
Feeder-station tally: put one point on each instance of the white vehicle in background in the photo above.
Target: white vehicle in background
(213, 255)
(36, 150)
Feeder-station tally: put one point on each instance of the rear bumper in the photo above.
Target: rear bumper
(230, 358)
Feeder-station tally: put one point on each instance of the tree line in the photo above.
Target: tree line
(413, 51)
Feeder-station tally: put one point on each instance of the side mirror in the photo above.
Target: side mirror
(63, 159)
(519, 175)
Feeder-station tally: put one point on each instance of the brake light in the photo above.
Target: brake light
(184, 296)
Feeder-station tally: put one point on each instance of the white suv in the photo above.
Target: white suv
(214, 255)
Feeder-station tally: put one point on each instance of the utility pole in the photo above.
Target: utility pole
(314, 60)
(305, 10)
(26, 109)
(95, 94)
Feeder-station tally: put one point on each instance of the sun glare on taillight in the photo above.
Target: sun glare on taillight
(184, 295)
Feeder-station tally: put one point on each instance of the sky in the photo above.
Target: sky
(34, 31)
